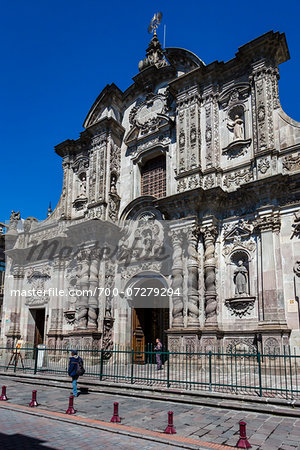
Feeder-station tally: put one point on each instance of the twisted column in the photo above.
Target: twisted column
(82, 301)
(210, 234)
(192, 282)
(93, 298)
(177, 279)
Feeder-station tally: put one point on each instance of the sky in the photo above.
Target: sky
(57, 56)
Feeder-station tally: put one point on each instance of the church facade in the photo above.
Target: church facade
(198, 165)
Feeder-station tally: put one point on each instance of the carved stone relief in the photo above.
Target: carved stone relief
(209, 182)
(37, 278)
(291, 163)
(208, 136)
(296, 224)
(263, 165)
(240, 345)
(148, 115)
(271, 346)
(238, 177)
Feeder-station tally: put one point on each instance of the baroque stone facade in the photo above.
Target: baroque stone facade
(200, 166)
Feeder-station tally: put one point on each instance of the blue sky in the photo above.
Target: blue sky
(56, 56)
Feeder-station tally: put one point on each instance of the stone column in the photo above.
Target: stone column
(177, 279)
(192, 282)
(16, 304)
(209, 234)
(82, 300)
(270, 286)
(93, 299)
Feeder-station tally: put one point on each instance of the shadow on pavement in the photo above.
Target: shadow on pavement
(84, 390)
(19, 441)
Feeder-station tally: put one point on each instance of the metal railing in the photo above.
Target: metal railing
(268, 375)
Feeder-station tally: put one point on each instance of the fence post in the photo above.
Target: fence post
(101, 364)
(259, 373)
(168, 368)
(132, 357)
(36, 360)
(209, 366)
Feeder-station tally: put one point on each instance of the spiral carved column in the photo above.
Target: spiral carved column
(210, 234)
(93, 299)
(177, 279)
(82, 301)
(192, 282)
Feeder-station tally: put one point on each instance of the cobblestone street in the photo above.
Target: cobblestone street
(22, 431)
(209, 424)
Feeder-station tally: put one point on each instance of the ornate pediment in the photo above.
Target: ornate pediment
(235, 94)
(240, 230)
(238, 236)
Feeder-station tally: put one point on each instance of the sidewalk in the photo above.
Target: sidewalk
(206, 423)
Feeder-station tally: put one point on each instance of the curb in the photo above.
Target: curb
(274, 406)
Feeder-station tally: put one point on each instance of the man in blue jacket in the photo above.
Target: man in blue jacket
(73, 370)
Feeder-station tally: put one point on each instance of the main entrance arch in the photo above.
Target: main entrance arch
(149, 301)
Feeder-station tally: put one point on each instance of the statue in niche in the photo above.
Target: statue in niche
(240, 278)
(237, 127)
(82, 186)
(113, 183)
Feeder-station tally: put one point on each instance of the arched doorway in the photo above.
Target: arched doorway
(149, 301)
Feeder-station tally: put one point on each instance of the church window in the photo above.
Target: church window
(153, 177)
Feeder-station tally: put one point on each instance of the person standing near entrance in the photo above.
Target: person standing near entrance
(158, 349)
(75, 370)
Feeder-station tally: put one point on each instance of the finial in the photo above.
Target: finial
(156, 20)
(49, 210)
(154, 52)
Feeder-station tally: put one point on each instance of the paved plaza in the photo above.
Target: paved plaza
(208, 424)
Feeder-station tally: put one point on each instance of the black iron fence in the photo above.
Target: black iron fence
(257, 374)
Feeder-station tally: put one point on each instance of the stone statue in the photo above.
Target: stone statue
(83, 186)
(240, 279)
(113, 184)
(14, 219)
(237, 126)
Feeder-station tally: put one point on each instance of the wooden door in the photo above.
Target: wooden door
(138, 336)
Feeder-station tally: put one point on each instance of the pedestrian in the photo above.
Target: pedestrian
(158, 349)
(75, 370)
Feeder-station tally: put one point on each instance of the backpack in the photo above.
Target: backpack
(80, 369)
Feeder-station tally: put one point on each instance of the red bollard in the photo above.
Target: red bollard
(170, 428)
(71, 409)
(115, 418)
(33, 400)
(243, 441)
(3, 395)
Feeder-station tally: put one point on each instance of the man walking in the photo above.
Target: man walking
(158, 349)
(75, 370)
